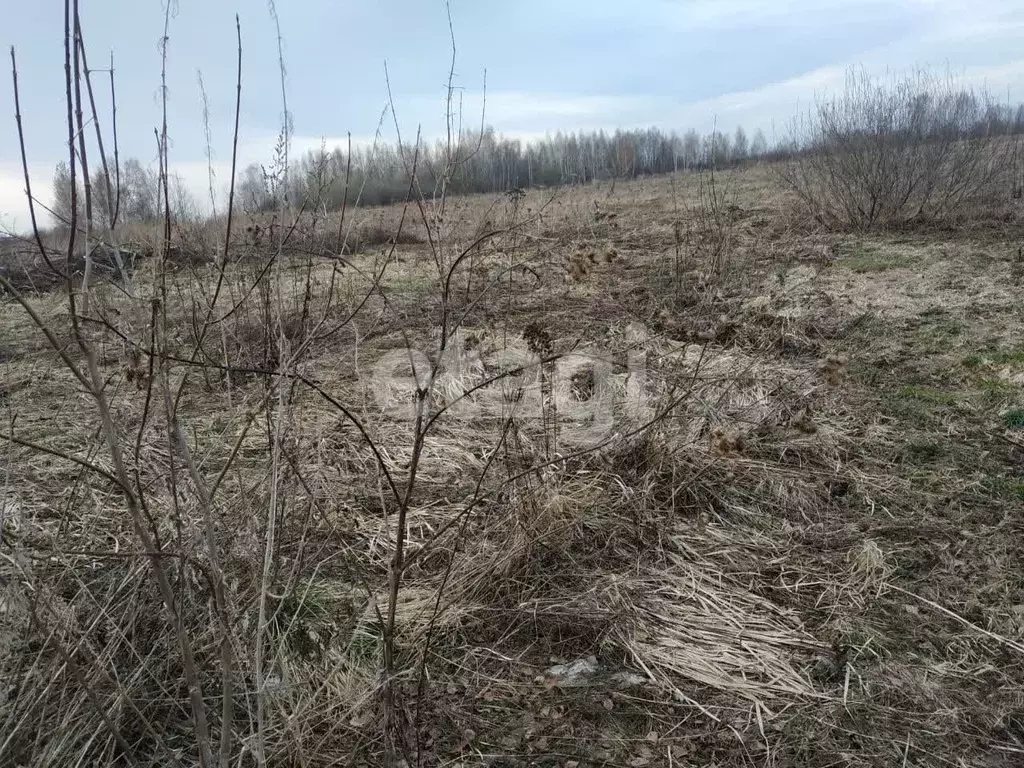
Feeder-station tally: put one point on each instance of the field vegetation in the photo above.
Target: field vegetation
(721, 463)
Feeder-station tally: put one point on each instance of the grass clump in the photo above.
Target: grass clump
(935, 338)
(301, 618)
(930, 395)
(876, 262)
(995, 391)
(994, 357)
(862, 258)
(973, 361)
(923, 451)
(1005, 488)
(1014, 419)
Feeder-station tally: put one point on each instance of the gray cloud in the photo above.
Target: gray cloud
(578, 64)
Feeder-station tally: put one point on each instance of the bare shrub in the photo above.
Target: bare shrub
(891, 152)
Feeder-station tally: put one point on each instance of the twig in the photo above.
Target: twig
(95, 120)
(969, 624)
(71, 153)
(15, 440)
(219, 596)
(208, 136)
(111, 208)
(5, 497)
(344, 199)
(117, 158)
(84, 160)
(202, 732)
(234, 142)
(24, 168)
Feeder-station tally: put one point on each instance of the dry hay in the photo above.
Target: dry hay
(682, 623)
(758, 554)
(739, 394)
(691, 624)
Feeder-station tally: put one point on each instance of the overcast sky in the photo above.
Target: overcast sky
(551, 65)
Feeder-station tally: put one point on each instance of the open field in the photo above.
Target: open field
(777, 519)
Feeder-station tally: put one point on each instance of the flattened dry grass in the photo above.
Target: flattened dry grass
(788, 569)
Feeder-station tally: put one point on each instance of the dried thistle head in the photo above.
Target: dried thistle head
(538, 340)
(803, 422)
(832, 369)
(579, 265)
(726, 442)
(134, 370)
(723, 329)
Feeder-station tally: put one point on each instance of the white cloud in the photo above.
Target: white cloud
(517, 108)
(723, 14)
(14, 213)
(977, 41)
(517, 112)
(778, 103)
(773, 104)
(998, 78)
(193, 175)
(302, 144)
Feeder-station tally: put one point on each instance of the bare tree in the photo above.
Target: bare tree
(140, 192)
(717, 149)
(740, 146)
(65, 198)
(253, 190)
(759, 145)
(691, 149)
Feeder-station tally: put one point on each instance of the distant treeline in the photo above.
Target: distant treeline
(488, 162)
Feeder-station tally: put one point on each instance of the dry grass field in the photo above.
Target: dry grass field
(758, 499)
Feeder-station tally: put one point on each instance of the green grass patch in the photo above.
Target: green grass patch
(928, 395)
(1005, 488)
(365, 646)
(298, 616)
(973, 361)
(923, 451)
(995, 391)
(994, 357)
(1014, 419)
(919, 413)
(1013, 357)
(937, 334)
(867, 328)
(944, 329)
(869, 260)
